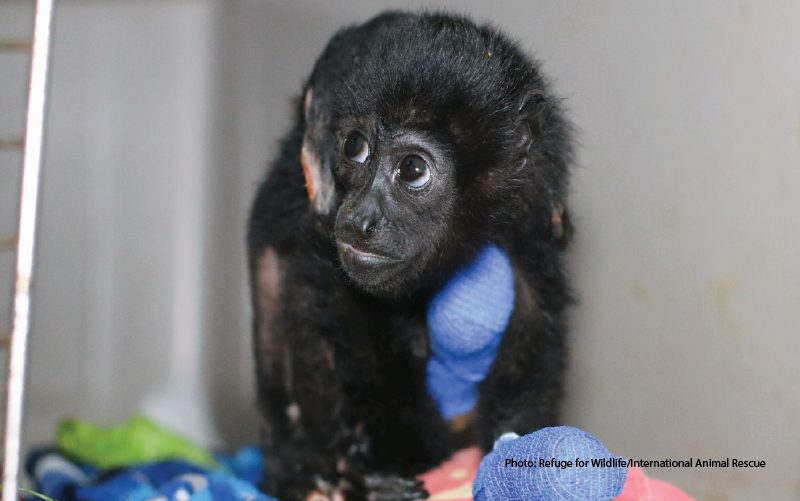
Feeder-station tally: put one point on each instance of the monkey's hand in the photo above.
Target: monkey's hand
(466, 321)
(377, 487)
(393, 488)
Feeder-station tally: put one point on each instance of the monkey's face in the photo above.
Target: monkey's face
(398, 196)
(425, 145)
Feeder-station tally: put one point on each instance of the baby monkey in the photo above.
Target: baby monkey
(418, 200)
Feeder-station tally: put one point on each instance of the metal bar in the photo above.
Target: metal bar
(14, 143)
(15, 46)
(31, 168)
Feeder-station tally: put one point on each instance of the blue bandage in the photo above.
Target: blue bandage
(542, 466)
(466, 321)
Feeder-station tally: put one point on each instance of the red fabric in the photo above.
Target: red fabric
(452, 481)
(640, 487)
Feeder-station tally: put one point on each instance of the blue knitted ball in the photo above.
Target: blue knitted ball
(529, 480)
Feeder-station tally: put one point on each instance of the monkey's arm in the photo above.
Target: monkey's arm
(311, 356)
(316, 441)
(466, 320)
(489, 344)
(523, 389)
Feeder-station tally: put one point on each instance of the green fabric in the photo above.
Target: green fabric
(35, 494)
(138, 440)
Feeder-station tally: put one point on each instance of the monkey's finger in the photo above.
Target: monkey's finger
(392, 487)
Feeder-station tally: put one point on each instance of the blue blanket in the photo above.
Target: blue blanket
(58, 477)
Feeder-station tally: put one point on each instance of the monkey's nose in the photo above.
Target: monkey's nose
(366, 225)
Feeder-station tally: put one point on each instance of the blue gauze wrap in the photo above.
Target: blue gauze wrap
(466, 321)
(498, 482)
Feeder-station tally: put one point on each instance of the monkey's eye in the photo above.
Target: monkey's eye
(356, 147)
(414, 171)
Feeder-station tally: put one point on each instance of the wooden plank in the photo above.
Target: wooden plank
(15, 46)
(8, 242)
(12, 143)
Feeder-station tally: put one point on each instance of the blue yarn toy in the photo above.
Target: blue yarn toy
(514, 469)
(466, 321)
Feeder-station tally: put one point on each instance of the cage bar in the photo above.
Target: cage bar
(29, 194)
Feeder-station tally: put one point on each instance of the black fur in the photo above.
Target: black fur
(341, 348)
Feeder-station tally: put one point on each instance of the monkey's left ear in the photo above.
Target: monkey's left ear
(316, 166)
(532, 110)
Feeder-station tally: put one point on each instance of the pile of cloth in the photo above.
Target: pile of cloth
(140, 461)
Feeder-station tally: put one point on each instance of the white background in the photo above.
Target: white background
(164, 114)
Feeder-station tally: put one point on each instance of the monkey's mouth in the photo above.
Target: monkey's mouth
(362, 257)
(375, 271)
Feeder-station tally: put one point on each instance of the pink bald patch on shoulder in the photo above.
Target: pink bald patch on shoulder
(268, 275)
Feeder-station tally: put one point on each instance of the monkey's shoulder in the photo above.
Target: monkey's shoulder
(280, 214)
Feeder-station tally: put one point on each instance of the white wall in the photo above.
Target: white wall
(163, 115)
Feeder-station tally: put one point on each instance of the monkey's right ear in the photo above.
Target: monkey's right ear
(316, 166)
(307, 99)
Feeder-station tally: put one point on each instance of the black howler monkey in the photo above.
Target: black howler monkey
(419, 139)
